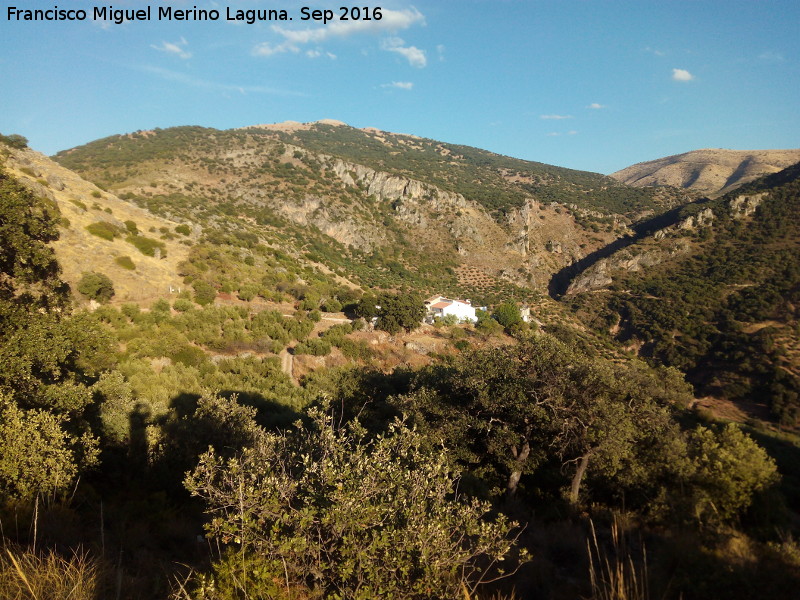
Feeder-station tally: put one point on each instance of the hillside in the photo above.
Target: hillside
(388, 209)
(83, 205)
(715, 294)
(250, 266)
(237, 372)
(708, 172)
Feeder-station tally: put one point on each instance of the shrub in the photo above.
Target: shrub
(147, 246)
(183, 229)
(96, 286)
(132, 228)
(191, 356)
(182, 305)
(355, 349)
(125, 262)
(461, 345)
(14, 140)
(332, 305)
(507, 314)
(204, 293)
(104, 230)
(96, 194)
(315, 347)
(247, 292)
(446, 321)
(161, 306)
(355, 518)
(130, 310)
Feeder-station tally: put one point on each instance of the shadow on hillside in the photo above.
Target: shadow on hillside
(560, 281)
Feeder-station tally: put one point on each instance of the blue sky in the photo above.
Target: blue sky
(590, 85)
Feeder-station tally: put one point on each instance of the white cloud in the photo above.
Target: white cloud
(771, 56)
(267, 49)
(440, 52)
(318, 53)
(553, 134)
(654, 51)
(572, 132)
(177, 48)
(391, 21)
(596, 106)
(555, 117)
(414, 56)
(401, 85)
(214, 86)
(681, 75)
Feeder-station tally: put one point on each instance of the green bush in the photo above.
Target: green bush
(104, 230)
(355, 349)
(507, 314)
(247, 292)
(96, 286)
(147, 246)
(315, 347)
(131, 310)
(182, 305)
(125, 262)
(14, 140)
(332, 305)
(204, 293)
(353, 518)
(161, 306)
(183, 229)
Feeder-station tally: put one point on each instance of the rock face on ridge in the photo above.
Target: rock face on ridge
(664, 244)
(710, 172)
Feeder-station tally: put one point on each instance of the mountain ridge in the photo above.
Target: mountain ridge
(707, 171)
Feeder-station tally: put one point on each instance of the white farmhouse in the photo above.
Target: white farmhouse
(439, 306)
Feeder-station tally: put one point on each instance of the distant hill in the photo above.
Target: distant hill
(389, 210)
(709, 172)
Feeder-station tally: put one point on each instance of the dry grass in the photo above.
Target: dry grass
(25, 575)
(77, 250)
(614, 575)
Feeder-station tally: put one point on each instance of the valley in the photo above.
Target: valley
(179, 303)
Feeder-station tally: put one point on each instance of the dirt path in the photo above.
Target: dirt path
(287, 362)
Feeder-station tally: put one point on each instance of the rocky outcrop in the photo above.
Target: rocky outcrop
(744, 206)
(635, 258)
(630, 260)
